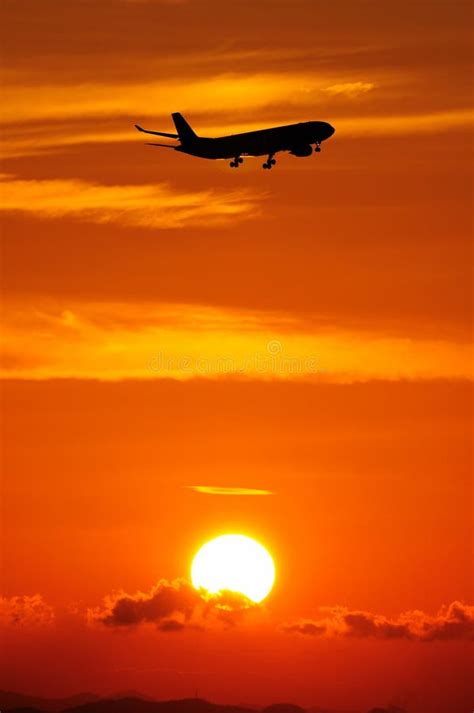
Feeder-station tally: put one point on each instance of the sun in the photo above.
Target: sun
(234, 563)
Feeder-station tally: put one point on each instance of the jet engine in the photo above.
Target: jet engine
(302, 150)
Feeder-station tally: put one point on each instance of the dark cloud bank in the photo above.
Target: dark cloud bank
(454, 621)
(175, 606)
(171, 606)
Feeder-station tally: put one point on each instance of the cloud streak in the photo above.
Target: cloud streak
(144, 206)
(214, 490)
(114, 341)
(40, 140)
(43, 102)
(349, 89)
(452, 622)
(90, 112)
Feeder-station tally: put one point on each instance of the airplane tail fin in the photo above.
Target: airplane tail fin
(185, 132)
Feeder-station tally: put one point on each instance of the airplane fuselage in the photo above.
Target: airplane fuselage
(294, 138)
(298, 139)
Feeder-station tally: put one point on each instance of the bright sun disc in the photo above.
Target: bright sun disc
(235, 563)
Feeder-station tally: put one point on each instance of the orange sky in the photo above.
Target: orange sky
(169, 322)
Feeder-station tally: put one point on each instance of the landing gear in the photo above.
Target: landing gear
(236, 162)
(318, 147)
(269, 162)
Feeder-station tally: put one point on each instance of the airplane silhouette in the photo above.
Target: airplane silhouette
(295, 138)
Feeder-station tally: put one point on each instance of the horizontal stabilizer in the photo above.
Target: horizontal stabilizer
(157, 133)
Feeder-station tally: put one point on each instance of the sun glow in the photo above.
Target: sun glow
(234, 563)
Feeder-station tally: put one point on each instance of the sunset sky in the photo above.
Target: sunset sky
(191, 350)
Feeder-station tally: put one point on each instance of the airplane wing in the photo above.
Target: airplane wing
(157, 133)
(163, 146)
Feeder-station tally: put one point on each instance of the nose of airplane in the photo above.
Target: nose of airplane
(330, 130)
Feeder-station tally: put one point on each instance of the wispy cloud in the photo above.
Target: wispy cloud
(34, 103)
(25, 611)
(455, 621)
(219, 490)
(113, 341)
(349, 89)
(39, 139)
(42, 118)
(146, 206)
(406, 124)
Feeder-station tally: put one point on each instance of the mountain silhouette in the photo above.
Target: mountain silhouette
(134, 702)
(17, 703)
(139, 705)
(10, 700)
(283, 708)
